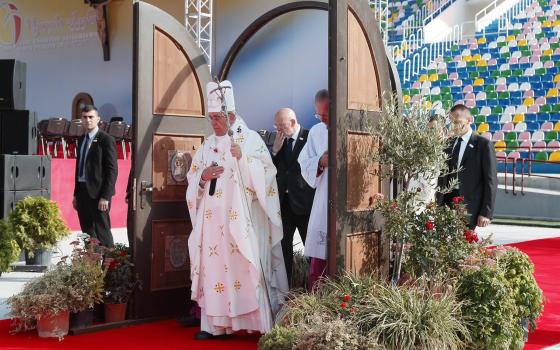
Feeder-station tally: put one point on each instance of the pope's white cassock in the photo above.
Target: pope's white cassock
(315, 147)
(237, 269)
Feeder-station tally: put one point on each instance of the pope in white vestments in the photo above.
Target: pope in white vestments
(314, 169)
(237, 269)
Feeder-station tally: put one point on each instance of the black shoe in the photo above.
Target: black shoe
(202, 335)
(188, 321)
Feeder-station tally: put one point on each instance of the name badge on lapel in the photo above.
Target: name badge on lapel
(471, 145)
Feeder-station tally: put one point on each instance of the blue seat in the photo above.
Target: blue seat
(534, 79)
(493, 118)
(478, 88)
(456, 90)
(547, 85)
(523, 80)
(516, 95)
(495, 127)
(543, 117)
(555, 117)
(531, 117)
(493, 103)
(533, 126)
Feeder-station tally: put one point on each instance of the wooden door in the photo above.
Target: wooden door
(358, 77)
(170, 76)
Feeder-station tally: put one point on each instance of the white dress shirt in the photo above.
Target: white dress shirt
(464, 143)
(294, 136)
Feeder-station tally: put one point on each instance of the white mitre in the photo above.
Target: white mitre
(217, 91)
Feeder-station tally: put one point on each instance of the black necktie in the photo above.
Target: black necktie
(290, 148)
(455, 154)
(83, 156)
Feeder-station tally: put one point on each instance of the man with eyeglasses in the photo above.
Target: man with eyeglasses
(296, 196)
(96, 175)
(314, 163)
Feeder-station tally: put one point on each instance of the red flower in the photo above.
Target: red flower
(429, 226)
(113, 264)
(394, 206)
(122, 253)
(458, 199)
(418, 189)
(343, 305)
(346, 298)
(471, 236)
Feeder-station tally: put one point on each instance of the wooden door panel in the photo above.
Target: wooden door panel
(169, 79)
(358, 77)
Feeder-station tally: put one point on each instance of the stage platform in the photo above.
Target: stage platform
(62, 191)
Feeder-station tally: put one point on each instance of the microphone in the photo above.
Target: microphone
(213, 183)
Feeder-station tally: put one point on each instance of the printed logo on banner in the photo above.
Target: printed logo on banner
(10, 24)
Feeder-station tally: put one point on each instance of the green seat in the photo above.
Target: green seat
(540, 35)
(504, 95)
(540, 71)
(557, 63)
(515, 32)
(475, 111)
(502, 44)
(556, 108)
(448, 59)
(445, 90)
(490, 88)
(414, 92)
(498, 109)
(492, 96)
(512, 146)
(546, 109)
(442, 76)
(505, 73)
(510, 136)
(506, 55)
(545, 58)
(550, 136)
(454, 47)
(471, 64)
(446, 97)
(517, 73)
(541, 156)
(526, 52)
(474, 75)
(432, 71)
(495, 74)
(480, 119)
(554, 46)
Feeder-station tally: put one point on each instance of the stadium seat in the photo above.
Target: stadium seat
(547, 126)
(538, 136)
(555, 156)
(541, 156)
(500, 146)
(520, 127)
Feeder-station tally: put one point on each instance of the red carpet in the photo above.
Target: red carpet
(545, 254)
(167, 335)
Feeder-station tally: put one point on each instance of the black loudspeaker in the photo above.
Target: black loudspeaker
(7, 203)
(19, 132)
(7, 165)
(12, 84)
(19, 195)
(27, 172)
(46, 173)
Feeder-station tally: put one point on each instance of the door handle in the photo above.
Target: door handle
(145, 187)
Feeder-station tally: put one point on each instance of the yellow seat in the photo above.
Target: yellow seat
(481, 63)
(500, 146)
(423, 78)
(546, 24)
(529, 101)
(518, 118)
(433, 77)
(482, 40)
(427, 104)
(483, 127)
(556, 23)
(548, 52)
(478, 82)
(467, 58)
(552, 93)
(557, 126)
(522, 42)
(510, 38)
(557, 78)
(406, 99)
(555, 156)
(477, 57)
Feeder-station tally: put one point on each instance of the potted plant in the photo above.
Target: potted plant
(47, 301)
(37, 226)
(87, 279)
(9, 250)
(120, 282)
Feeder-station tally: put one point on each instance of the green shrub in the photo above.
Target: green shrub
(412, 317)
(37, 223)
(9, 250)
(279, 338)
(518, 271)
(300, 271)
(489, 305)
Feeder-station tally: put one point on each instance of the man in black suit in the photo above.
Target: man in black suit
(296, 197)
(478, 181)
(96, 175)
